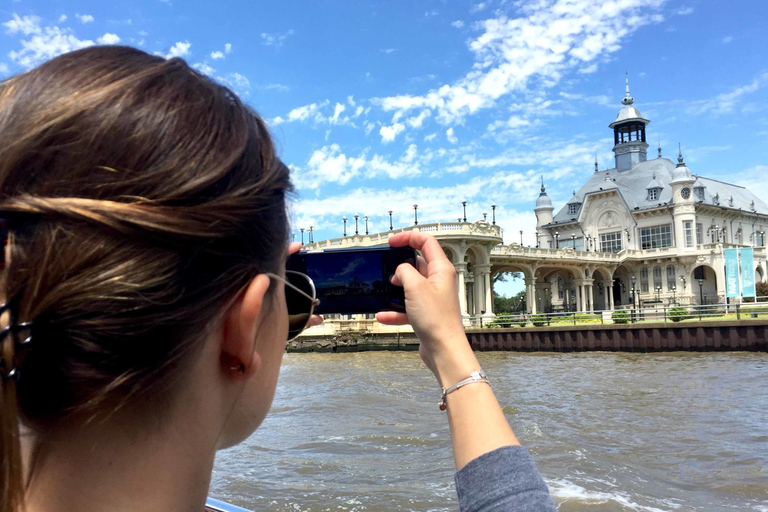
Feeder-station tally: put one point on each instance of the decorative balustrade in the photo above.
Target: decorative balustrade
(452, 229)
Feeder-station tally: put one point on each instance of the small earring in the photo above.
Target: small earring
(239, 368)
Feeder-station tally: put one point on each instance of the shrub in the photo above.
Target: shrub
(538, 320)
(677, 313)
(620, 317)
(508, 320)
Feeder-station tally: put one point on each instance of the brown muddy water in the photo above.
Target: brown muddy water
(609, 432)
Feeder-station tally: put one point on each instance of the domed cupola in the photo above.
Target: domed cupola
(629, 134)
(681, 174)
(543, 201)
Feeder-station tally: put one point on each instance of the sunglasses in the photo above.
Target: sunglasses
(300, 299)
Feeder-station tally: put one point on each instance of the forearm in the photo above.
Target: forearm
(476, 420)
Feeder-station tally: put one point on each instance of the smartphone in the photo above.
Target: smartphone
(351, 281)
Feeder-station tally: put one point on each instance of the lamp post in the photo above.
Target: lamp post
(356, 219)
(573, 242)
(485, 216)
(366, 224)
(302, 236)
(521, 238)
(311, 228)
(537, 239)
(701, 291)
(390, 220)
(464, 205)
(658, 293)
(493, 210)
(415, 215)
(481, 318)
(557, 240)
(674, 294)
(293, 236)
(344, 221)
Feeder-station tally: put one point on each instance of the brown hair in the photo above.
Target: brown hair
(140, 196)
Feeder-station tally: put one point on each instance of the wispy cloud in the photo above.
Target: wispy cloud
(180, 49)
(276, 39)
(728, 102)
(726, 39)
(533, 51)
(84, 18)
(457, 24)
(44, 43)
(217, 55)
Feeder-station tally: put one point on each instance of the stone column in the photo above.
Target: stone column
(488, 294)
(567, 295)
(591, 298)
(483, 283)
(461, 272)
(609, 294)
(530, 295)
(578, 296)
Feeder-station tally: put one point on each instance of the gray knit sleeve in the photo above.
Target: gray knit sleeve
(504, 479)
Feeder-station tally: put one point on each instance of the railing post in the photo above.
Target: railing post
(738, 311)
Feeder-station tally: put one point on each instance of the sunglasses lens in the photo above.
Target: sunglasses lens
(299, 306)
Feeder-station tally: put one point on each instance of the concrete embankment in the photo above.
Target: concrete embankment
(647, 337)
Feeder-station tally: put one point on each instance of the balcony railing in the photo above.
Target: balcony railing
(469, 229)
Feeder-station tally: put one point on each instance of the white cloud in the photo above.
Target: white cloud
(726, 102)
(588, 69)
(430, 137)
(416, 122)
(179, 50)
(430, 14)
(306, 112)
(480, 6)
(84, 18)
(4, 68)
(228, 48)
(457, 24)
(108, 39)
(330, 165)
(143, 33)
(276, 39)
(45, 43)
(387, 50)
(369, 128)
(62, 18)
(337, 110)
(450, 136)
(684, 11)
(238, 80)
(203, 67)
(516, 55)
(726, 39)
(388, 133)
(26, 25)
(217, 55)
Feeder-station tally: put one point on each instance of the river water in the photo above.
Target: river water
(608, 431)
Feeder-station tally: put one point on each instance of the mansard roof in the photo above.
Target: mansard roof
(631, 186)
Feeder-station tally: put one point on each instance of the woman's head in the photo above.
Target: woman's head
(140, 198)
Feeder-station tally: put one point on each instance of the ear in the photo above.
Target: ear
(239, 360)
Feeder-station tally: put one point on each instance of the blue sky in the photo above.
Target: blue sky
(377, 105)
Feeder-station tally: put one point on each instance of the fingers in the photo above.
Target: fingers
(427, 244)
(422, 266)
(293, 247)
(405, 274)
(391, 318)
(315, 320)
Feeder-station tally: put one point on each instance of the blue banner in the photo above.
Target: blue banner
(747, 272)
(731, 272)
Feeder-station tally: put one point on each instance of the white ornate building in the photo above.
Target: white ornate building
(651, 226)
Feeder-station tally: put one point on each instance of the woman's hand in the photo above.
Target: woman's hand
(294, 247)
(432, 308)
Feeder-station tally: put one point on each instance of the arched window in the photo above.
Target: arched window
(643, 279)
(671, 277)
(656, 278)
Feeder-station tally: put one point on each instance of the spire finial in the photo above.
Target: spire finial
(659, 148)
(680, 162)
(628, 99)
(543, 190)
(595, 161)
(607, 175)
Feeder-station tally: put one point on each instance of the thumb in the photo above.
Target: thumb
(405, 274)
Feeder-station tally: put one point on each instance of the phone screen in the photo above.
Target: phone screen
(354, 281)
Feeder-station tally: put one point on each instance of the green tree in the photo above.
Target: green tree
(514, 304)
